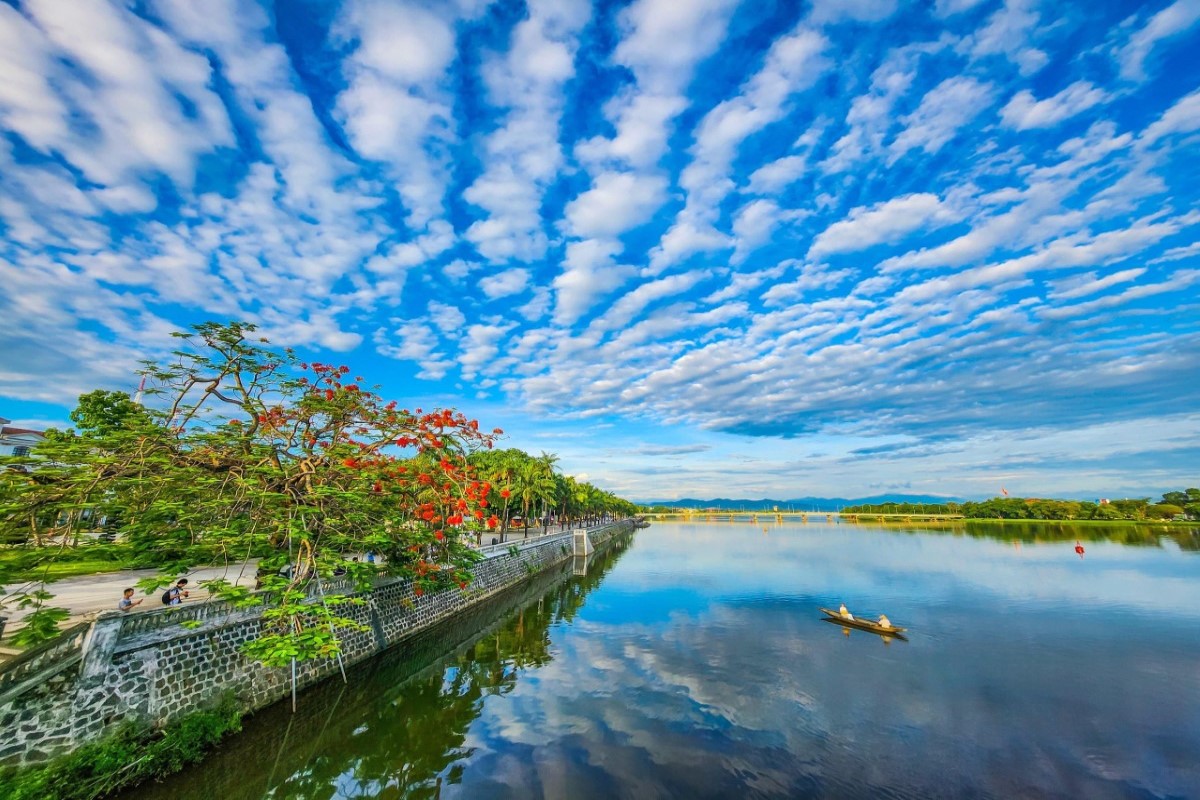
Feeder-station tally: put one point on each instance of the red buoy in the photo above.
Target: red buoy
(1079, 548)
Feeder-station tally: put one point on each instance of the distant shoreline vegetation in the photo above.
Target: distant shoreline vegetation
(1176, 505)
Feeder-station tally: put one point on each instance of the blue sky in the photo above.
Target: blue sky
(841, 247)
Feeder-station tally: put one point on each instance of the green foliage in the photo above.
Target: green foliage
(904, 508)
(1131, 509)
(528, 485)
(1163, 511)
(102, 413)
(129, 756)
(244, 451)
(41, 623)
(295, 628)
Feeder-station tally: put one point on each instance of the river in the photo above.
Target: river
(692, 661)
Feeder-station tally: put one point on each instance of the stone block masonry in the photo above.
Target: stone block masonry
(150, 668)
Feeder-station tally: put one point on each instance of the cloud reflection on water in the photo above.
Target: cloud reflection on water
(743, 691)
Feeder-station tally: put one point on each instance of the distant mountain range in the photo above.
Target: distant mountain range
(799, 503)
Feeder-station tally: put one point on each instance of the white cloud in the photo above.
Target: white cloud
(480, 347)
(1009, 32)
(1178, 281)
(414, 341)
(665, 39)
(1178, 253)
(887, 222)
(947, 8)
(753, 225)
(1070, 251)
(538, 306)
(662, 42)
(405, 255)
(684, 239)
(871, 114)
(448, 319)
(827, 11)
(1183, 117)
(1172, 21)
(778, 175)
(1088, 283)
(123, 86)
(28, 104)
(523, 156)
(506, 283)
(794, 62)
(1023, 111)
(941, 115)
(589, 273)
(775, 176)
(809, 277)
(742, 283)
(617, 202)
(633, 302)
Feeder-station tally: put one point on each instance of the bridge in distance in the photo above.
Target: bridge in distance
(724, 515)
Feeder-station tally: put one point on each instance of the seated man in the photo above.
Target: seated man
(845, 614)
(884, 622)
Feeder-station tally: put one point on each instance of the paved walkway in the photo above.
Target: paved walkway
(85, 596)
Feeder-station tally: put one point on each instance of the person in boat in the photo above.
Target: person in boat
(845, 613)
(884, 622)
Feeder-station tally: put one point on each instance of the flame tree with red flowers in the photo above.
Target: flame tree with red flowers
(247, 452)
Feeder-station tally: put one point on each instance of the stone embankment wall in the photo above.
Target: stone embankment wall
(150, 668)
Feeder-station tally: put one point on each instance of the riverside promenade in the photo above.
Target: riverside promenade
(156, 667)
(86, 596)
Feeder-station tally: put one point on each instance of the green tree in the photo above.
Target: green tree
(1163, 511)
(102, 413)
(246, 451)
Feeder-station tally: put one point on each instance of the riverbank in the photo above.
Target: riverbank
(1099, 523)
(434, 686)
(160, 666)
(135, 755)
(130, 756)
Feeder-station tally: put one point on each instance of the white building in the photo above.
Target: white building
(17, 441)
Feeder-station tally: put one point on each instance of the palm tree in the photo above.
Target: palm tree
(533, 484)
(547, 462)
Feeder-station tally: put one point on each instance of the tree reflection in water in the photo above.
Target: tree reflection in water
(400, 725)
(1129, 534)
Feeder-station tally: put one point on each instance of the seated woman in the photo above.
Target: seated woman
(845, 613)
(884, 622)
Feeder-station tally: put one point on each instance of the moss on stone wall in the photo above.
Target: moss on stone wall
(130, 755)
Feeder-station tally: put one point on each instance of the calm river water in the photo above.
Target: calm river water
(692, 662)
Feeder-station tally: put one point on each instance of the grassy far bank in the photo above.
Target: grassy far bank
(25, 563)
(1174, 505)
(1186, 535)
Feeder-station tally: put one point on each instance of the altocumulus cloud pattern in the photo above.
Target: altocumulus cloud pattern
(903, 228)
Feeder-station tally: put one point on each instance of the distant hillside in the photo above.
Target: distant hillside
(798, 503)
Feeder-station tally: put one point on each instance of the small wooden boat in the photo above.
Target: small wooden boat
(863, 624)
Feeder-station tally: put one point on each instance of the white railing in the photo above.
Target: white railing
(536, 537)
